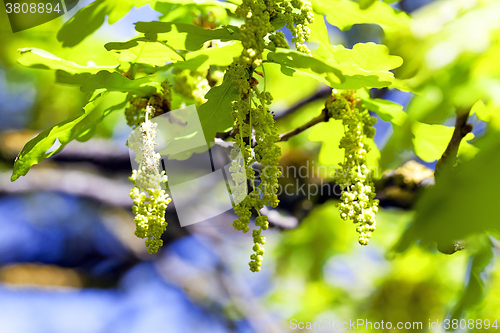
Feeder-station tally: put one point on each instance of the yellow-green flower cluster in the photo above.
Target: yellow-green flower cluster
(254, 128)
(192, 85)
(256, 135)
(150, 199)
(149, 209)
(297, 15)
(160, 103)
(257, 25)
(358, 201)
(259, 15)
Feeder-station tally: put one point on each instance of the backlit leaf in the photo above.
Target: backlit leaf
(144, 51)
(182, 36)
(77, 127)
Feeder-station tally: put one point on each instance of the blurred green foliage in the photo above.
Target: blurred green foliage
(446, 54)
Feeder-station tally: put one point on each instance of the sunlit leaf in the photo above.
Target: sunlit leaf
(144, 51)
(344, 14)
(66, 71)
(294, 63)
(90, 18)
(214, 116)
(462, 203)
(329, 134)
(319, 35)
(77, 127)
(367, 65)
(430, 141)
(182, 36)
(215, 56)
(386, 110)
(118, 82)
(216, 113)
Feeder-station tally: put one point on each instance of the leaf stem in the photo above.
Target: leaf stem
(449, 156)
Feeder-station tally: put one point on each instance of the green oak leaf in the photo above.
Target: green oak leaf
(294, 63)
(181, 11)
(367, 65)
(369, 56)
(444, 215)
(329, 134)
(319, 35)
(430, 141)
(227, 5)
(66, 71)
(37, 58)
(216, 114)
(345, 13)
(77, 127)
(386, 110)
(213, 56)
(143, 51)
(183, 36)
(485, 113)
(90, 18)
(118, 82)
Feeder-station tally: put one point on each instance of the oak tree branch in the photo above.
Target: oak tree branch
(461, 130)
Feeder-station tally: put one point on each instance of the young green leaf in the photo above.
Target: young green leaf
(485, 113)
(345, 13)
(66, 71)
(366, 65)
(76, 127)
(215, 56)
(214, 116)
(143, 51)
(319, 35)
(386, 110)
(118, 82)
(294, 63)
(182, 36)
(430, 141)
(88, 19)
(37, 58)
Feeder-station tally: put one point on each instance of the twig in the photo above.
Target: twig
(323, 117)
(321, 93)
(450, 154)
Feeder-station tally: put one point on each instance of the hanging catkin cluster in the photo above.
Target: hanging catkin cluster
(254, 128)
(297, 15)
(358, 201)
(259, 16)
(150, 199)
